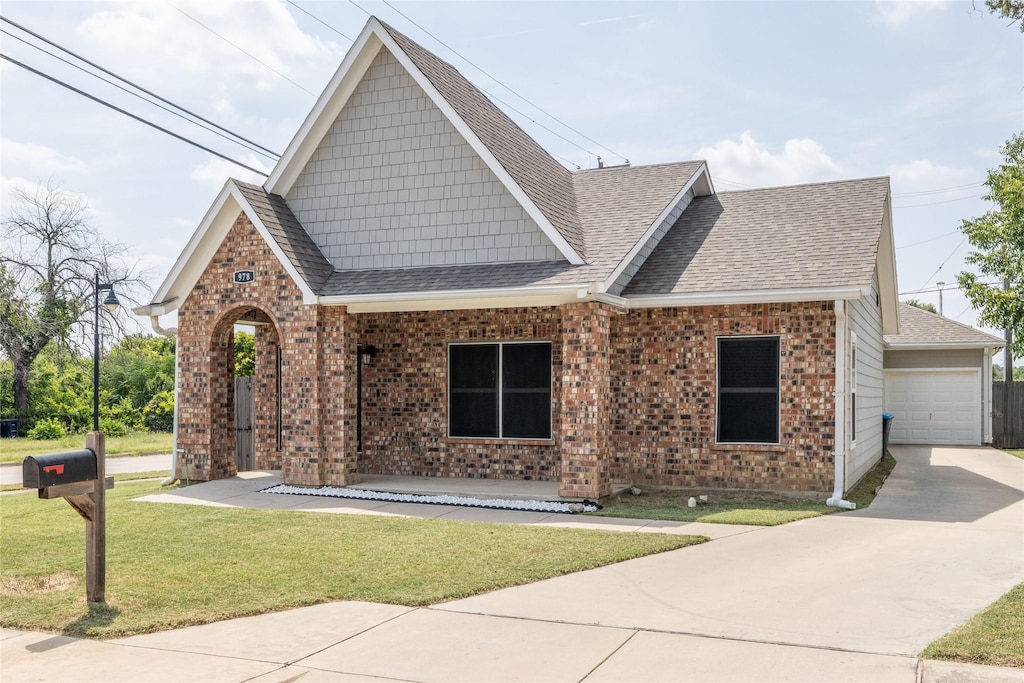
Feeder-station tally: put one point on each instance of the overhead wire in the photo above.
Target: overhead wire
(132, 84)
(301, 9)
(213, 128)
(239, 48)
(507, 104)
(130, 115)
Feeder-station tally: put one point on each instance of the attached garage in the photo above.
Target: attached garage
(935, 406)
(938, 381)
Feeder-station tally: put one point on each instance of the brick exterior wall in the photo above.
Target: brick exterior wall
(633, 395)
(306, 334)
(405, 395)
(664, 389)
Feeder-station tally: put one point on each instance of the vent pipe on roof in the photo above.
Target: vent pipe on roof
(600, 162)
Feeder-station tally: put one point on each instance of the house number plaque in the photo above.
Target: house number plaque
(244, 276)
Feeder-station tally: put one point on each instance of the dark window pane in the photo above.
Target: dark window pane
(526, 414)
(473, 366)
(748, 418)
(749, 362)
(526, 366)
(473, 413)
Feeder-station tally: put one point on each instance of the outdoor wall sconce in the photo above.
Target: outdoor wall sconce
(366, 354)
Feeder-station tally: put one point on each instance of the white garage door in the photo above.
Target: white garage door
(934, 406)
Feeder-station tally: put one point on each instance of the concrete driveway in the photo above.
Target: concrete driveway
(845, 597)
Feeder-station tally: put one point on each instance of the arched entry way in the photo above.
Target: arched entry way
(245, 430)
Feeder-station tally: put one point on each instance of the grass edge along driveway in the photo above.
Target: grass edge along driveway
(170, 566)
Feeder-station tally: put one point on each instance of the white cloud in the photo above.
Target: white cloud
(214, 172)
(922, 175)
(749, 162)
(896, 13)
(39, 160)
(162, 38)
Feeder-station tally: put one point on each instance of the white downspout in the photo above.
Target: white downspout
(171, 332)
(986, 392)
(839, 454)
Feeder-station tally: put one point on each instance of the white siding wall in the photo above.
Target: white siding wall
(394, 185)
(634, 265)
(866, 321)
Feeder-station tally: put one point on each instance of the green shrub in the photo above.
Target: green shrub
(112, 427)
(158, 415)
(48, 428)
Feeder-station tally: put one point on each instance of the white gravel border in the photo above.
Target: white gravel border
(568, 508)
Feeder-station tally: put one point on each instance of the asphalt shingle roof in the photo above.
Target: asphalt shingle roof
(797, 237)
(544, 180)
(920, 327)
(289, 234)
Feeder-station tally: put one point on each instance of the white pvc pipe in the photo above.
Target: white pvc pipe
(154, 321)
(839, 454)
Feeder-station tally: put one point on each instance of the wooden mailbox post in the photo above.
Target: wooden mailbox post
(79, 477)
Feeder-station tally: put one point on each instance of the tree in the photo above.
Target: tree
(1008, 9)
(245, 354)
(998, 237)
(48, 262)
(923, 306)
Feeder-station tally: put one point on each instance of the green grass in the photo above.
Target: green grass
(139, 443)
(170, 566)
(1016, 452)
(756, 508)
(994, 636)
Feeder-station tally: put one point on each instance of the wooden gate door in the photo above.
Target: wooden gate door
(245, 442)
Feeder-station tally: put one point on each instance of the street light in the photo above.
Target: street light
(941, 285)
(111, 303)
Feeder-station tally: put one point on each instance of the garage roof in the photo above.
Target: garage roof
(922, 329)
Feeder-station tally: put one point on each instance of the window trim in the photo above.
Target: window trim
(853, 389)
(718, 391)
(500, 390)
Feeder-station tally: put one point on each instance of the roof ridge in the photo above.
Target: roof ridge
(798, 185)
(623, 167)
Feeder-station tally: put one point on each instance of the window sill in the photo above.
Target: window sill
(756, 447)
(492, 441)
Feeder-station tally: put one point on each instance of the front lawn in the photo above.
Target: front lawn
(994, 636)
(731, 506)
(170, 566)
(139, 443)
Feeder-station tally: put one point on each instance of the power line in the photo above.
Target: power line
(321, 21)
(931, 239)
(228, 137)
(130, 115)
(945, 201)
(929, 278)
(249, 54)
(938, 191)
(505, 103)
(134, 85)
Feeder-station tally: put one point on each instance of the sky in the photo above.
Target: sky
(769, 93)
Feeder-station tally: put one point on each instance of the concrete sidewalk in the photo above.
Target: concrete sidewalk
(851, 597)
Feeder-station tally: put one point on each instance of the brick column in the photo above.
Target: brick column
(586, 400)
(338, 396)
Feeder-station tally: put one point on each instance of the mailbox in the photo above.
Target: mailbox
(55, 469)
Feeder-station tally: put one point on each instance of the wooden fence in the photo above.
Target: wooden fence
(1008, 414)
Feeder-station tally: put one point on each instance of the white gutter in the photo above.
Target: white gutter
(839, 454)
(757, 296)
(172, 332)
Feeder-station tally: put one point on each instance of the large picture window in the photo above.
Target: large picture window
(748, 390)
(500, 390)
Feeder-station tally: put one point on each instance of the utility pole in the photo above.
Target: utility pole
(1008, 353)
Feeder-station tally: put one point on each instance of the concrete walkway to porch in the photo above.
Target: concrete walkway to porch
(243, 491)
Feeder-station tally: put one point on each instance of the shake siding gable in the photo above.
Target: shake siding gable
(394, 185)
(866, 322)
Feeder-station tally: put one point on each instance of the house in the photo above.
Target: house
(938, 380)
(434, 295)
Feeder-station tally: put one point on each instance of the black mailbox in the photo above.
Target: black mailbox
(54, 469)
